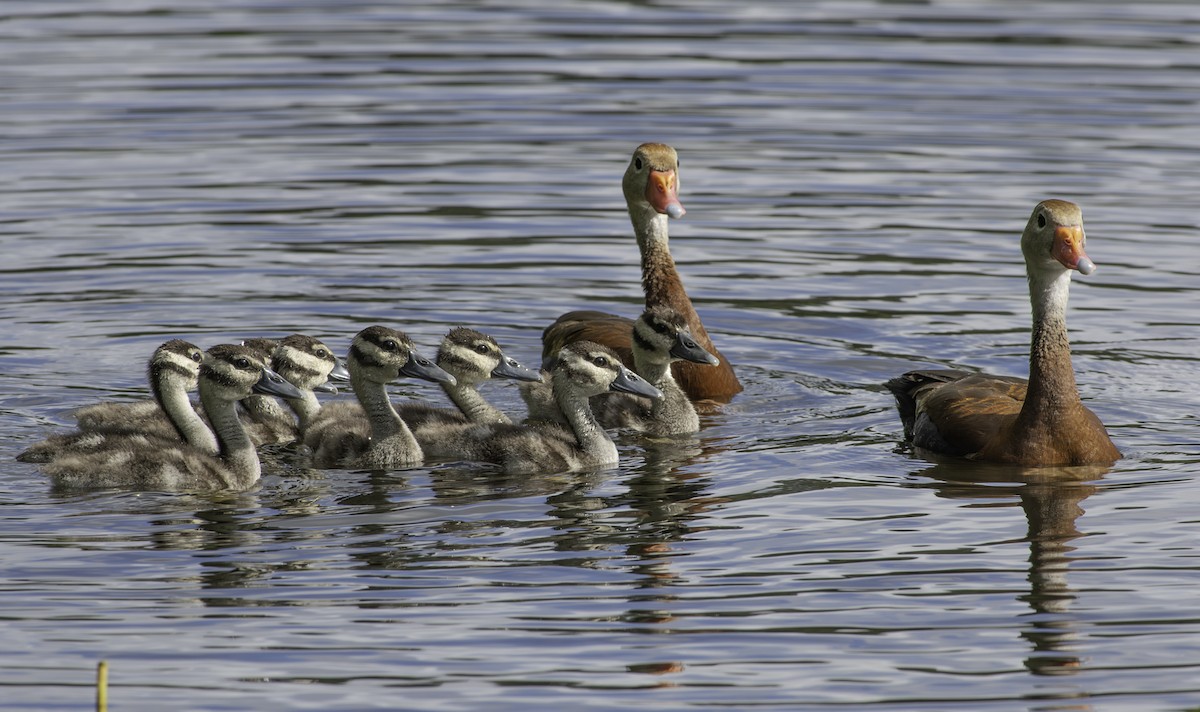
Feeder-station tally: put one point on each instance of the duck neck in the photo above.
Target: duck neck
(236, 448)
(650, 363)
(184, 418)
(578, 414)
(306, 407)
(1051, 387)
(385, 422)
(465, 394)
(660, 280)
(674, 409)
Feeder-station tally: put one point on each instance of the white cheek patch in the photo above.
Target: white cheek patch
(180, 361)
(302, 368)
(651, 339)
(465, 363)
(373, 352)
(307, 361)
(378, 364)
(587, 375)
(484, 363)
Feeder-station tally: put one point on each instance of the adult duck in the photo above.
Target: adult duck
(651, 187)
(1036, 422)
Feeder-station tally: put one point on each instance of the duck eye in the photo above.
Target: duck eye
(390, 345)
(197, 357)
(637, 163)
(600, 361)
(482, 349)
(1041, 220)
(242, 362)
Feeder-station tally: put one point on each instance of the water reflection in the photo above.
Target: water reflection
(1051, 498)
(254, 167)
(665, 497)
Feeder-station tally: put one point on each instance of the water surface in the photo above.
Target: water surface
(856, 177)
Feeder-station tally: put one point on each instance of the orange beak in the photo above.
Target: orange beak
(1068, 249)
(662, 192)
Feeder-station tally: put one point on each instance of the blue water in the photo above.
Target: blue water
(856, 177)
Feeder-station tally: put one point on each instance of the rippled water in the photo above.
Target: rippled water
(856, 176)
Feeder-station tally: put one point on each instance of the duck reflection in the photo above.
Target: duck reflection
(662, 500)
(668, 497)
(1051, 499)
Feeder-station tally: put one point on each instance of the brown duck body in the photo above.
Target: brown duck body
(979, 416)
(651, 188)
(1036, 422)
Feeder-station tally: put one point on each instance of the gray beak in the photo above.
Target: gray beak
(686, 348)
(629, 382)
(272, 384)
(420, 367)
(339, 372)
(510, 368)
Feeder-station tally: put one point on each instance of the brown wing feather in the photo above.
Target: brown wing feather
(970, 412)
(615, 332)
(707, 386)
(905, 386)
(956, 412)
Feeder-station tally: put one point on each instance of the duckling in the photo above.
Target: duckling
(580, 370)
(472, 358)
(307, 364)
(173, 371)
(228, 374)
(661, 336)
(370, 433)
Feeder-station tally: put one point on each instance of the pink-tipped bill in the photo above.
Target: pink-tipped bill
(1068, 249)
(662, 192)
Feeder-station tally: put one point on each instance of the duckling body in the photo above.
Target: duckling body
(651, 187)
(173, 371)
(580, 370)
(141, 462)
(472, 358)
(1036, 422)
(306, 363)
(660, 337)
(370, 434)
